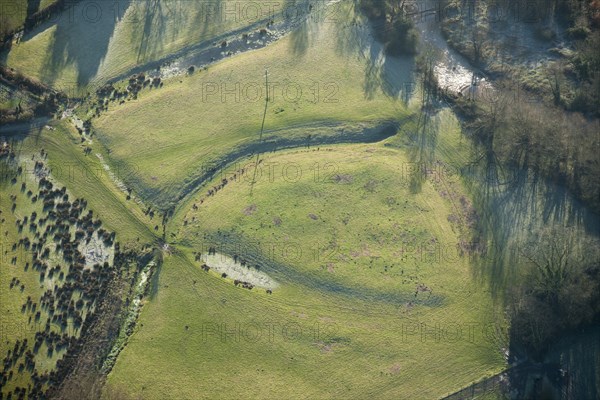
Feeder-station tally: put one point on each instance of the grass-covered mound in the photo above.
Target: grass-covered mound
(375, 309)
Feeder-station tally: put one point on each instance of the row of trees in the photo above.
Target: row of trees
(526, 136)
(558, 268)
(558, 289)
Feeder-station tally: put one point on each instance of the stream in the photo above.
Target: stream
(454, 73)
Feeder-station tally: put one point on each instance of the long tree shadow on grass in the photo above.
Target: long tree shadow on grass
(392, 75)
(80, 38)
(304, 35)
(32, 6)
(231, 244)
(157, 17)
(15, 136)
(511, 206)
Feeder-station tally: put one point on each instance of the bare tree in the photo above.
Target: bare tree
(556, 255)
(478, 42)
(395, 9)
(559, 290)
(555, 76)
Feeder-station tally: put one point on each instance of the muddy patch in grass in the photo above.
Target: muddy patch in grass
(342, 179)
(250, 210)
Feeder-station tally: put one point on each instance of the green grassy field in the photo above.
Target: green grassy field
(92, 42)
(346, 349)
(351, 269)
(298, 203)
(169, 134)
(14, 13)
(14, 16)
(84, 178)
(352, 291)
(388, 239)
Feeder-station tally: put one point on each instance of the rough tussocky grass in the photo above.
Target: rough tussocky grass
(79, 173)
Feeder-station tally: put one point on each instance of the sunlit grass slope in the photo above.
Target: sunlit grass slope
(359, 330)
(315, 85)
(92, 41)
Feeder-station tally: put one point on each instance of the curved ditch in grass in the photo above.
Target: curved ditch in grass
(281, 273)
(343, 135)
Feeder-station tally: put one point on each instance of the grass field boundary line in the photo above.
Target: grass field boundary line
(491, 382)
